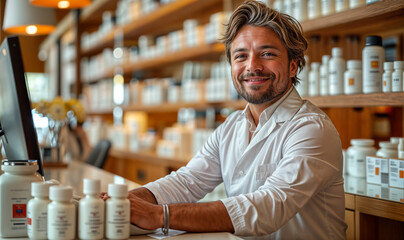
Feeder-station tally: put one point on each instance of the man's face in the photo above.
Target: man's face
(260, 67)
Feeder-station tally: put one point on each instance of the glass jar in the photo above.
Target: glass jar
(357, 156)
(387, 150)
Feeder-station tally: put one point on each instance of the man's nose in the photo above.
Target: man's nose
(254, 64)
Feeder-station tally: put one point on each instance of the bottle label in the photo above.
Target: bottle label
(118, 220)
(61, 223)
(93, 222)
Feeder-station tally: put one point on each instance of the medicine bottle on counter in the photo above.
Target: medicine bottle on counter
(397, 77)
(373, 56)
(387, 76)
(387, 150)
(313, 9)
(91, 211)
(117, 217)
(61, 213)
(314, 79)
(327, 7)
(353, 77)
(324, 83)
(336, 69)
(357, 152)
(15, 192)
(37, 211)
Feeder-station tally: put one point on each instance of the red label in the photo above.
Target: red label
(19, 210)
(29, 221)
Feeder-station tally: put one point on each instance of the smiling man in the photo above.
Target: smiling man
(280, 158)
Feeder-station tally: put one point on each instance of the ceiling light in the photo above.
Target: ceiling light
(61, 3)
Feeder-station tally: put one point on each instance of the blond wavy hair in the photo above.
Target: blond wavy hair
(286, 27)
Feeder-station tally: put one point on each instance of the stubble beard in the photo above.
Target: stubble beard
(268, 95)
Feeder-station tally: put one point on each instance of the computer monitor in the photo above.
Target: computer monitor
(17, 127)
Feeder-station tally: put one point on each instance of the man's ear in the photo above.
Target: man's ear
(293, 67)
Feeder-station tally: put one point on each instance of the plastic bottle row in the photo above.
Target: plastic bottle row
(335, 76)
(55, 217)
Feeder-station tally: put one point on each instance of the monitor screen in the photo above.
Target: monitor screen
(17, 127)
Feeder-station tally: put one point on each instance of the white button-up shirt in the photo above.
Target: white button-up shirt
(286, 183)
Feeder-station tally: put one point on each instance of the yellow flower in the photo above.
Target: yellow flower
(57, 109)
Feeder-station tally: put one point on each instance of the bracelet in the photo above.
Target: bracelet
(166, 215)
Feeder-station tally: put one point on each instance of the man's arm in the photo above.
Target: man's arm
(142, 193)
(191, 217)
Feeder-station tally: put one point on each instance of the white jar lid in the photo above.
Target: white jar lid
(362, 142)
(388, 66)
(336, 52)
(354, 64)
(117, 190)
(40, 189)
(395, 139)
(315, 65)
(398, 64)
(325, 59)
(60, 193)
(388, 145)
(91, 186)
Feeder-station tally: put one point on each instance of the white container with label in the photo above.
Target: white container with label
(353, 77)
(91, 211)
(377, 170)
(313, 9)
(397, 77)
(336, 69)
(117, 217)
(373, 56)
(314, 79)
(15, 192)
(357, 156)
(37, 211)
(61, 214)
(396, 173)
(324, 82)
(327, 7)
(387, 76)
(387, 150)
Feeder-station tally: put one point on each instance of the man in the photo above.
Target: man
(280, 158)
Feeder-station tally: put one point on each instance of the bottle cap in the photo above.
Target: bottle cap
(40, 189)
(401, 144)
(315, 65)
(354, 64)
(336, 52)
(373, 41)
(91, 186)
(398, 64)
(388, 145)
(117, 190)
(388, 66)
(60, 193)
(325, 59)
(362, 142)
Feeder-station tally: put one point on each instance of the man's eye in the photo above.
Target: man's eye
(267, 54)
(241, 56)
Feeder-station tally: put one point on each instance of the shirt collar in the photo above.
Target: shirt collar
(282, 110)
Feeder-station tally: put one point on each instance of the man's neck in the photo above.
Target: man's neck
(257, 109)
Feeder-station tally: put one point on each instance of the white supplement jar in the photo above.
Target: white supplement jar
(313, 9)
(397, 77)
(91, 211)
(314, 79)
(336, 70)
(117, 217)
(15, 192)
(324, 83)
(37, 210)
(327, 7)
(387, 150)
(357, 156)
(373, 56)
(353, 77)
(61, 213)
(387, 76)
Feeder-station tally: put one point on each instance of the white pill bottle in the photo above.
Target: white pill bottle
(15, 192)
(373, 56)
(61, 214)
(117, 217)
(357, 152)
(91, 211)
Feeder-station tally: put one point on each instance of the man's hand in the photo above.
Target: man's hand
(145, 214)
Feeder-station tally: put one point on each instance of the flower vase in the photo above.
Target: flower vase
(57, 148)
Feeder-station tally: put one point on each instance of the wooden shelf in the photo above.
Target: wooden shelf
(203, 52)
(359, 100)
(381, 15)
(172, 15)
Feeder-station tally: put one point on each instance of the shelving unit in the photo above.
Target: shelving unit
(364, 215)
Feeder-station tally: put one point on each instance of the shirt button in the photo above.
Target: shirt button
(242, 173)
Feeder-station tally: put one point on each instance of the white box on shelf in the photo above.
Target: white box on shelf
(396, 171)
(377, 170)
